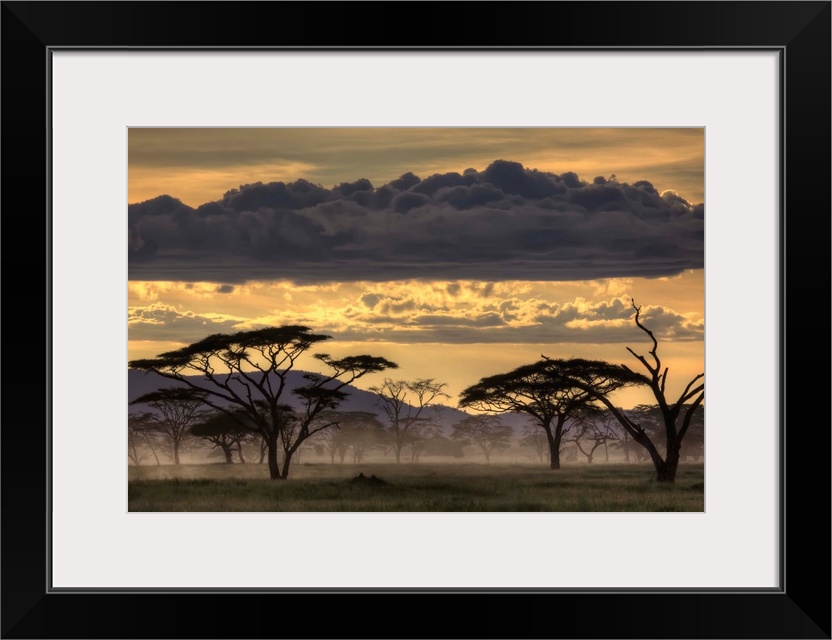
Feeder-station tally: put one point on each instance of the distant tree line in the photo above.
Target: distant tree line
(358, 434)
(244, 400)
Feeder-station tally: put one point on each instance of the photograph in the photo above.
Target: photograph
(416, 319)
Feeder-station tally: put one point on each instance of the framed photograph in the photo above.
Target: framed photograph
(81, 80)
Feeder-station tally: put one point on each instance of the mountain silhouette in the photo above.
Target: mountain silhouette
(139, 383)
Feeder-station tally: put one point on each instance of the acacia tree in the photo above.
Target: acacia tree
(671, 412)
(534, 439)
(590, 436)
(333, 442)
(362, 431)
(141, 433)
(225, 433)
(421, 434)
(486, 431)
(544, 391)
(249, 371)
(356, 430)
(177, 409)
(403, 403)
(606, 425)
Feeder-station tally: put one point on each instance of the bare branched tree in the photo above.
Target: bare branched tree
(676, 415)
(590, 433)
(404, 403)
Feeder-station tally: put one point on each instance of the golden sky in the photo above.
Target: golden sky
(200, 165)
(449, 280)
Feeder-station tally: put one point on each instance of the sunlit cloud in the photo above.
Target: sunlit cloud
(416, 311)
(162, 322)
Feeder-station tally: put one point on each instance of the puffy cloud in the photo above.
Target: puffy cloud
(517, 320)
(418, 311)
(159, 321)
(505, 222)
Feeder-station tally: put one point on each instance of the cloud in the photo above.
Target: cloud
(505, 222)
(431, 314)
(417, 311)
(159, 321)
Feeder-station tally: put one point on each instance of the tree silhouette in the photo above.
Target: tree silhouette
(249, 370)
(403, 403)
(421, 435)
(176, 410)
(141, 435)
(356, 430)
(546, 390)
(485, 431)
(224, 432)
(535, 439)
(670, 412)
(590, 433)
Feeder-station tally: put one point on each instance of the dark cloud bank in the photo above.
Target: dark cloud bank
(506, 222)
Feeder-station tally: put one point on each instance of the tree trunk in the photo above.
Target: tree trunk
(398, 450)
(227, 451)
(663, 473)
(554, 444)
(287, 457)
(274, 469)
(666, 472)
(175, 453)
(554, 452)
(240, 452)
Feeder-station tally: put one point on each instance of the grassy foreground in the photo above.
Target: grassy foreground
(414, 488)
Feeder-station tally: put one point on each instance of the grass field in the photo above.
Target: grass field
(414, 488)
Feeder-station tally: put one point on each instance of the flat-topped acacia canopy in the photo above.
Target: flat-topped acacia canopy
(249, 369)
(233, 346)
(551, 391)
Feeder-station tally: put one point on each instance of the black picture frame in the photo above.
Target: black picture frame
(800, 608)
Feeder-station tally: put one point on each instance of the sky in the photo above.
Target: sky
(457, 253)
